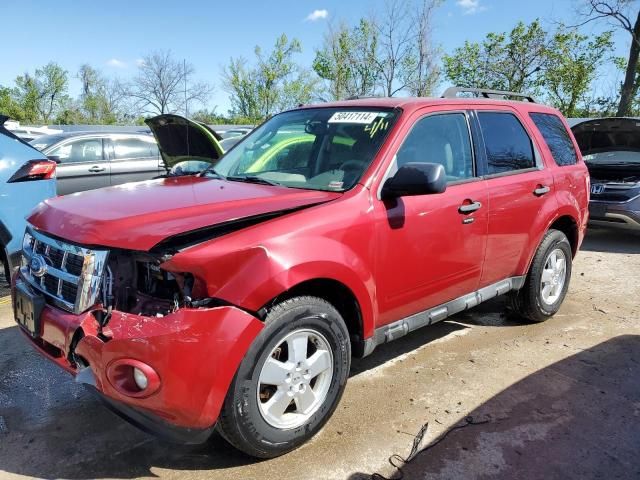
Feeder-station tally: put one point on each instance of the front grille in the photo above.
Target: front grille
(68, 274)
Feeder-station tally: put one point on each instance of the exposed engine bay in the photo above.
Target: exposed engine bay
(600, 176)
(135, 283)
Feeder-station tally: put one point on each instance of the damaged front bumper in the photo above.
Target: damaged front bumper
(190, 356)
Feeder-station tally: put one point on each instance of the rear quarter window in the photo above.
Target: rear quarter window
(557, 138)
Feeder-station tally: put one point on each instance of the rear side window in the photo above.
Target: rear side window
(133, 148)
(506, 141)
(555, 134)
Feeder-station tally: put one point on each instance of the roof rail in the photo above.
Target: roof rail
(452, 92)
(361, 97)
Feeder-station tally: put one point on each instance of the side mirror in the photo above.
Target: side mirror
(54, 158)
(415, 179)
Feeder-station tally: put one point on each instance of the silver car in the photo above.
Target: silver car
(88, 160)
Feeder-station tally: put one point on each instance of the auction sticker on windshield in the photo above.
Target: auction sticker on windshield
(353, 117)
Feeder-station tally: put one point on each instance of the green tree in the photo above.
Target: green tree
(241, 83)
(9, 105)
(503, 61)
(100, 99)
(42, 95)
(571, 66)
(348, 60)
(275, 82)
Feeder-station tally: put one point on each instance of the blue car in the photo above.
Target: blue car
(27, 178)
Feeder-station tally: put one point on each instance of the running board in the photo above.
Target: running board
(400, 328)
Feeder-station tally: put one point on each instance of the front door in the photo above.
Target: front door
(430, 248)
(83, 165)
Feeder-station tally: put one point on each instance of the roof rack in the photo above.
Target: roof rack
(362, 97)
(452, 92)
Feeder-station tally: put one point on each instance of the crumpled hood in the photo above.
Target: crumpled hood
(138, 216)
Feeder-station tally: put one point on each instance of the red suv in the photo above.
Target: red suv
(235, 298)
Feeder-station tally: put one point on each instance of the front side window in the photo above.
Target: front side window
(83, 150)
(443, 139)
(315, 148)
(555, 134)
(507, 143)
(133, 148)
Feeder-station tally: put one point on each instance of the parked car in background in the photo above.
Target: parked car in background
(611, 150)
(238, 302)
(90, 160)
(26, 179)
(228, 143)
(235, 132)
(29, 133)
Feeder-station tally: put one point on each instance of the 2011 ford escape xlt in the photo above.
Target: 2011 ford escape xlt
(235, 299)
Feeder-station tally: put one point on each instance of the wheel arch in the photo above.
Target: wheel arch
(564, 222)
(337, 294)
(569, 226)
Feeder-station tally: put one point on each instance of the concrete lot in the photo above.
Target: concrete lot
(560, 400)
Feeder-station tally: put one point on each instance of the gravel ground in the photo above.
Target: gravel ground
(553, 400)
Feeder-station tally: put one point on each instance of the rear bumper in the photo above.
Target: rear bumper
(195, 353)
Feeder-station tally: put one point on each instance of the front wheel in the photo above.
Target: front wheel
(548, 279)
(290, 381)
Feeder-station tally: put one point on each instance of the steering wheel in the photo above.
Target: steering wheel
(353, 165)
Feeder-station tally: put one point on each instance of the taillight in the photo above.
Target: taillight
(34, 170)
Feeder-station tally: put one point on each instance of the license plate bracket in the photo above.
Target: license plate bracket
(28, 308)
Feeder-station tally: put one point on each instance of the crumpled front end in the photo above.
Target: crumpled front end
(155, 353)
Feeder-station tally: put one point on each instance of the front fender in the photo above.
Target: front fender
(253, 276)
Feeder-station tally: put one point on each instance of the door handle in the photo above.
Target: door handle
(97, 169)
(541, 190)
(469, 208)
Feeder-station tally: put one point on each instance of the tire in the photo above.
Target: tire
(530, 303)
(246, 421)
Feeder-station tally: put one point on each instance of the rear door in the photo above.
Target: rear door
(520, 191)
(133, 158)
(83, 165)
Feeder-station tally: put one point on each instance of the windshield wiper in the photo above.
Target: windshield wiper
(211, 172)
(253, 179)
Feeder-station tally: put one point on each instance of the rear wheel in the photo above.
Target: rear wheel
(548, 279)
(290, 381)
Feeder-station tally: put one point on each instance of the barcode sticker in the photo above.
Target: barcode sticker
(364, 118)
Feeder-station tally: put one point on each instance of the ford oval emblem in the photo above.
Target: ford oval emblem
(38, 266)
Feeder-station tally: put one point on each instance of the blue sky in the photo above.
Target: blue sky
(113, 35)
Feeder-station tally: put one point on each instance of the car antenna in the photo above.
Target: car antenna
(186, 108)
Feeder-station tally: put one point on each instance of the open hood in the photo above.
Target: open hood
(186, 146)
(608, 135)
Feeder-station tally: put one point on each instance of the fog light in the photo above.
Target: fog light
(140, 378)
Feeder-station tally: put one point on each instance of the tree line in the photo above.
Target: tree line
(389, 53)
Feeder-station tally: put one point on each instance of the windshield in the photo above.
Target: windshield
(45, 141)
(620, 156)
(316, 148)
